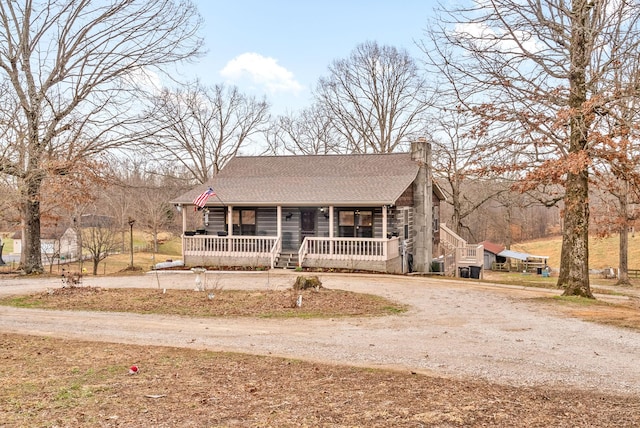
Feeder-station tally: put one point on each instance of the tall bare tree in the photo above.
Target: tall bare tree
(72, 67)
(458, 157)
(308, 132)
(203, 127)
(618, 174)
(534, 71)
(376, 98)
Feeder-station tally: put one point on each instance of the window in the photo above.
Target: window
(404, 223)
(355, 223)
(244, 222)
(436, 218)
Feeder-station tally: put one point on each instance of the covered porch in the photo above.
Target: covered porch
(308, 235)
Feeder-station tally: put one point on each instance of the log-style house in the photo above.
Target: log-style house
(374, 212)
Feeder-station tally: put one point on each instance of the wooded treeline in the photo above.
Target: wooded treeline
(530, 107)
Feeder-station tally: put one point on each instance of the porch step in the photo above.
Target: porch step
(287, 260)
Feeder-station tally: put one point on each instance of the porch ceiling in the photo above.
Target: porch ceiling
(339, 180)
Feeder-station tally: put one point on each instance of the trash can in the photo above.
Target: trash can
(464, 272)
(539, 271)
(475, 272)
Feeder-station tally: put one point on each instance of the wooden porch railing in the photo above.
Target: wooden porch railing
(357, 249)
(367, 249)
(241, 246)
(470, 255)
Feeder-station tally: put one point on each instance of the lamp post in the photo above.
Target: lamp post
(131, 221)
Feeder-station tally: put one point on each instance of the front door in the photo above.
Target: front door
(307, 224)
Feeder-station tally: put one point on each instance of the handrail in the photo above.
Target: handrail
(450, 238)
(302, 252)
(275, 251)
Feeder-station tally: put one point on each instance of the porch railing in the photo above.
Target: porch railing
(239, 246)
(368, 249)
(458, 252)
(470, 255)
(357, 249)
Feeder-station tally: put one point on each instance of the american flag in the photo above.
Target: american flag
(201, 200)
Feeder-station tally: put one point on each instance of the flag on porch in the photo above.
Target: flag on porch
(201, 200)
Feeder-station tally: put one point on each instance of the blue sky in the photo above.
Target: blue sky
(281, 48)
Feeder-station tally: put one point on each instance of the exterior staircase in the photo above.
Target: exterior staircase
(458, 253)
(287, 260)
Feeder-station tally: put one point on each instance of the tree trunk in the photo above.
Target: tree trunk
(574, 265)
(96, 263)
(32, 251)
(623, 249)
(155, 240)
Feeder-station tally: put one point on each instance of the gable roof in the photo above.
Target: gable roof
(311, 180)
(491, 247)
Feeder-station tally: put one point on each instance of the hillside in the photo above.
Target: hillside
(603, 252)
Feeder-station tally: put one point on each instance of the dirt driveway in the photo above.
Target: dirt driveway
(454, 328)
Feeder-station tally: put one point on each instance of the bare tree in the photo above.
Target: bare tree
(534, 72)
(203, 127)
(458, 159)
(376, 98)
(99, 239)
(152, 210)
(71, 70)
(308, 132)
(616, 171)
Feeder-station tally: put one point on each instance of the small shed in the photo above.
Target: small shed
(491, 251)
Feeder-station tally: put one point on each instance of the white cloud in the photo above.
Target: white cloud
(485, 36)
(144, 78)
(262, 71)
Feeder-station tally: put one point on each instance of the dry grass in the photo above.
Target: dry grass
(213, 303)
(603, 252)
(625, 313)
(54, 382)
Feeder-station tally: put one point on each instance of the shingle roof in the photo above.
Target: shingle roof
(373, 179)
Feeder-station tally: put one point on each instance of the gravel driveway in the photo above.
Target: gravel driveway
(454, 328)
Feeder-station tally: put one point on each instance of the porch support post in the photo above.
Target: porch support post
(183, 211)
(279, 221)
(331, 221)
(384, 221)
(229, 220)
(331, 229)
(384, 230)
(229, 228)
